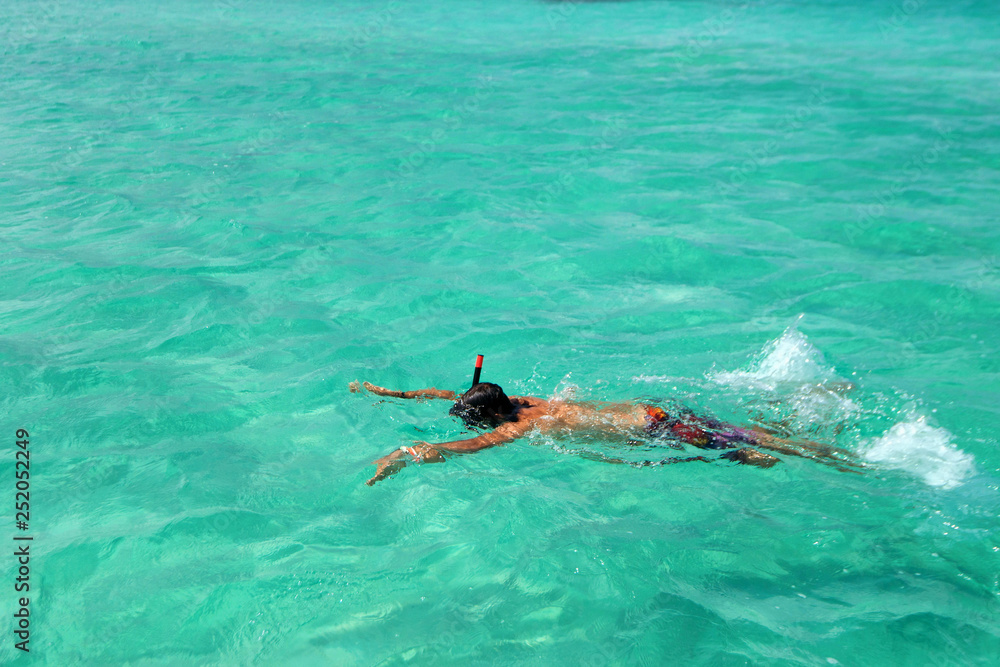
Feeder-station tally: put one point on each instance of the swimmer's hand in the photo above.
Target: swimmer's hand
(387, 466)
(355, 388)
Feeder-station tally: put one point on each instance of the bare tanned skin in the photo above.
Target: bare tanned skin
(531, 412)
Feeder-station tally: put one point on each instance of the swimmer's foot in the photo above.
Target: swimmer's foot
(750, 456)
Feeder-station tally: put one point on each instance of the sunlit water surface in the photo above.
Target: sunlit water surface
(216, 215)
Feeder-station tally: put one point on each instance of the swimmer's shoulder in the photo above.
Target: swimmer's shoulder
(532, 405)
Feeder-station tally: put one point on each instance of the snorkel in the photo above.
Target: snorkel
(484, 405)
(479, 370)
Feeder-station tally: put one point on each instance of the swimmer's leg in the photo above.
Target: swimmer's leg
(784, 426)
(781, 428)
(827, 454)
(798, 447)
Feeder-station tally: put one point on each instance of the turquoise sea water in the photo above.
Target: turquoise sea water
(215, 215)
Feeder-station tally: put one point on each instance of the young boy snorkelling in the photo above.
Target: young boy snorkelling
(486, 405)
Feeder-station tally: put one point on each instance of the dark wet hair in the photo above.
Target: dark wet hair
(483, 406)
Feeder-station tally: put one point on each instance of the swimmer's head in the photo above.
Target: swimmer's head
(483, 406)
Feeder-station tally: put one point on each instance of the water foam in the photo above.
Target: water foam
(789, 359)
(792, 370)
(923, 450)
(566, 390)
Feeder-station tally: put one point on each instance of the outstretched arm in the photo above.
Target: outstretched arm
(417, 393)
(505, 433)
(424, 452)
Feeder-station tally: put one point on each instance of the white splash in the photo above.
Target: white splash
(566, 390)
(923, 450)
(790, 359)
(791, 370)
(790, 374)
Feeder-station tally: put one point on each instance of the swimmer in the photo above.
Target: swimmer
(486, 405)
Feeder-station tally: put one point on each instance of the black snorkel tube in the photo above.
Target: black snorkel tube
(479, 370)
